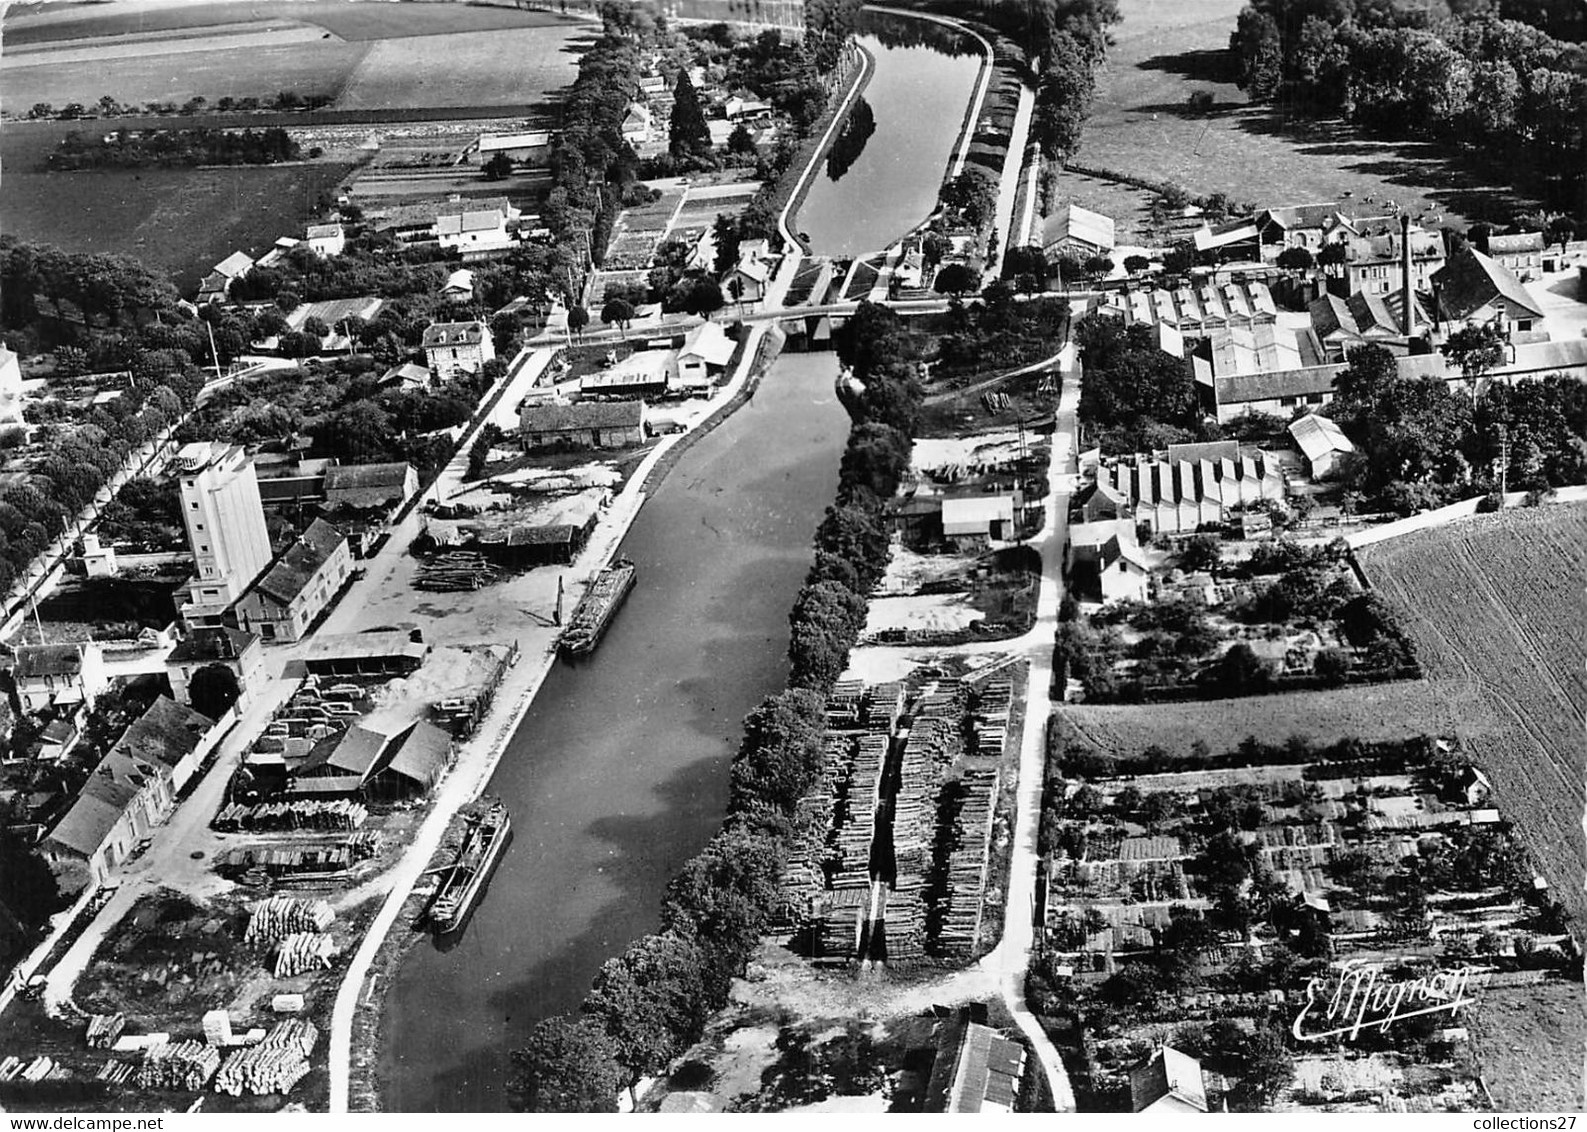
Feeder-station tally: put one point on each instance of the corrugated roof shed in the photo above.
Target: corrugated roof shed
(1318, 436)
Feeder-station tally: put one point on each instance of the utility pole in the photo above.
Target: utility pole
(557, 618)
(1504, 460)
(213, 353)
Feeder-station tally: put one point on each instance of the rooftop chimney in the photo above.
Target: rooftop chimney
(1407, 286)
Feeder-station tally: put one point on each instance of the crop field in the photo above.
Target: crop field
(389, 56)
(1140, 125)
(1528, 1042)
(1494, 605)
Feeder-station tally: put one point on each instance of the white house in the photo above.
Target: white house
(59, 674)
(749, 278)
(326, 240)
(473, 231)
(531, 145)
(1110, 545)
(705, 354)
(636, 125)
(459, 286)
(451, 347)
(1322, 442)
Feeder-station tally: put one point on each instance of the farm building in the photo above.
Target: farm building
(1168, 1082)
(1308, 226)
(641, 374)
(1474, 289)
(458, 347)
(230, 648)
(417, 222)
(278, 251)
(406, 376)
(326, 240)
(1077, 230)
(384, 652)
(978, 518)
(298, 587)
(705, 355)
(1234, 240)
(976, 1069)
(531, 145)
(1322, 443)
(216, 285)
(59, 674)
(380, 489)
(588, 424)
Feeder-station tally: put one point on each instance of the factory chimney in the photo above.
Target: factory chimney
(1407, 282)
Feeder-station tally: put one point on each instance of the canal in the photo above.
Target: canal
(618, 773)
(918, 94)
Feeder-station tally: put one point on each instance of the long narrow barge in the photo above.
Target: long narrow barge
(487, 828)
(597, 607)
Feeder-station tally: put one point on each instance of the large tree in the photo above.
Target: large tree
(652, 1002)
(213, 690)
(688, 133)
(568, 1065)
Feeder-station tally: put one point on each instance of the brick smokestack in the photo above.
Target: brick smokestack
(1407, 284)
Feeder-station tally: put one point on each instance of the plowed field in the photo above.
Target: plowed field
(1495, 606)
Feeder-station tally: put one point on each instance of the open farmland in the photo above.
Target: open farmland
(1528, 1043)
(1494, 605)
(389, 56)
(1141, 126)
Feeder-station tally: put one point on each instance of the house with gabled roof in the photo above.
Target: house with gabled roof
(1168, 1082)
(300, 585)
(1475, 289)
(326, 240)
(216, 285)
(59, 674)
(130, 792)
(1322, 443)
(976, 1069)
(458, 347)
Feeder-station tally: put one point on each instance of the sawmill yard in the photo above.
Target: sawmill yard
(1493, 604)
(1141, 126)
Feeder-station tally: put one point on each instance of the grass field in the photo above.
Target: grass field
(1528, 1042)
(174, 220)
(1494, 604)
(510, 67)
(1140, 125)
(1399, 710)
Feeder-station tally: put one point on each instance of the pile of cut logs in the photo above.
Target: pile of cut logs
(303, 951)
(456, 570)
(104, 1029)
(280, 916)
(186, 1065)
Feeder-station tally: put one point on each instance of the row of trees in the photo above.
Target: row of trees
(651, 1003)
(1421, 443)
(1474, 80)
(126, 149)
(109, 107)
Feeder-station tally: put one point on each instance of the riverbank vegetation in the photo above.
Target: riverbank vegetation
(650, 1004)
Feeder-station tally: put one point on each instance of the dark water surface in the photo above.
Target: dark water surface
(619, 771)
(919, 96)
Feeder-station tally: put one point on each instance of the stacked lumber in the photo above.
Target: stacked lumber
(303, 951)
(104, 1029)
(914, 816)
(115, 1072)
(839, 924)
(14, 1068)
(845, 704)
(185, 1065)
(959, 903)
(456, 570)
(991, 718)
(814, 821)
(274, 919)
(333, 816)
(884, 704)
(855, 824)
(261, 1069)
(904, 922)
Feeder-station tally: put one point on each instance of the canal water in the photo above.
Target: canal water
(919, 94)
(619, 772)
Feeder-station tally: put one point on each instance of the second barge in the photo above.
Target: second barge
(597, 608)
